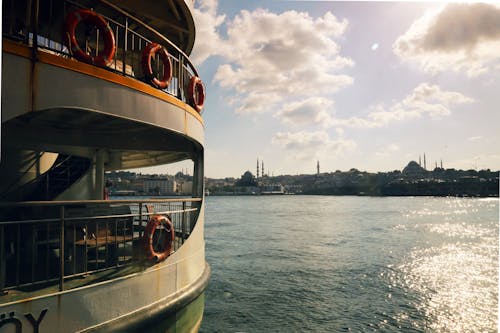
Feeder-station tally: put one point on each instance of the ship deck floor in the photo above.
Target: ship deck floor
(13, 295)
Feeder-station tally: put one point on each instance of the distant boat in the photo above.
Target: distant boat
(123, 193)
(114, 89)
(272, 189)
(272, 193)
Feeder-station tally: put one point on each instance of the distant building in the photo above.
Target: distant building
(184, 187)
(413, 169)
(272, 189)
(159, 186)
(293, 189)
(137, 185)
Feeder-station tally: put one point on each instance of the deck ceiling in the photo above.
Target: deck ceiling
(80, 132)
(172, 18)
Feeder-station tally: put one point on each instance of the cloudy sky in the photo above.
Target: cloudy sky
(363, 85)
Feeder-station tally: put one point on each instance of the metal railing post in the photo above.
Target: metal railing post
(34, 252)
(61, 251)
(125, 46)
(2, 259)
(184, 222)
(47, 250)
(180, 79)
(140, 216)
(18, 253)
(97, 43)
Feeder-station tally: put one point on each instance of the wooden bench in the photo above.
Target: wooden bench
(104, 240)
(100, 242)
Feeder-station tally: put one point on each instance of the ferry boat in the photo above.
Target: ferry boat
(91, 86)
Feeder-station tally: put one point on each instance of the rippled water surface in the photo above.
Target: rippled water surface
(334, 264)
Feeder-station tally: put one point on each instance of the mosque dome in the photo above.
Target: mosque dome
(413, 168)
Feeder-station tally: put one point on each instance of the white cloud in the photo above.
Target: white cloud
(425, 100)
(459, 37)
(272, 59)
(311, 111)
(208, 41)
(475, 138)
(312, 145)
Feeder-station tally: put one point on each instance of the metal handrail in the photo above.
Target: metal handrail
(86, 240)
(88, 202)
(157, 33)
(98, 217)
(183, 68)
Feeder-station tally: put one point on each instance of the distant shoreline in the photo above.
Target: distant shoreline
(413, 180)
(352, 195)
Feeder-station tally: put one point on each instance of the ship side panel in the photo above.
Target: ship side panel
(16, 97)
(75, 85)
(94, 94)
(194, 128)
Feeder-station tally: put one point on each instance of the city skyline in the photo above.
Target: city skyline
(256, 171)
(362, 85)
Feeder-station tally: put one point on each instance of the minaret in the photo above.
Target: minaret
(262, 175)
(419, 160)
(441, 163)
(425, 164)
(257, 168)
(317, 168)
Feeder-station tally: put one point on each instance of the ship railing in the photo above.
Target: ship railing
(45, 19)
(66, 244)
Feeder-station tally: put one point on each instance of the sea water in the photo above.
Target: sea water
(359, 264)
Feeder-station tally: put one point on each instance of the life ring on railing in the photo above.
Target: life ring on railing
(148, 53)
(89, 17)
(196, 93)
(154, 223)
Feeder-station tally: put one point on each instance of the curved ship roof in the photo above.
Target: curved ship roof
(173, 19)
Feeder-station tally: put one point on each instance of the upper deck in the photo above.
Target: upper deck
(96, 56)
(93, 79)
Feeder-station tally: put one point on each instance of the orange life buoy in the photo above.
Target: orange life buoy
(89, 17)
(196, 93)
(148, 53)
(154, 223)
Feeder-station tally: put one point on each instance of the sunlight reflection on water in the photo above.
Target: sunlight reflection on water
(458, 298)
(457, 277)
